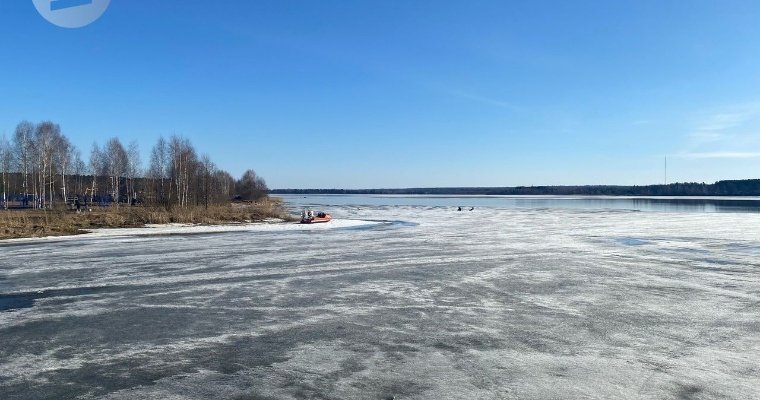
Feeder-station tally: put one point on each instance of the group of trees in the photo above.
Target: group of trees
(39, 167)
(747, 187)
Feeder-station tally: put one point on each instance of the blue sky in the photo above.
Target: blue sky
(357, 94)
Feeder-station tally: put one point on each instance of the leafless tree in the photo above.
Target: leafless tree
(224, 186)
(80, 169)
(116, 162)
(207, 171)
(63, 156)
(251, 186)
(24, 148)
(133, 169)
(96, 168)
(183, 165)
(159, 169)
(46, 136)
(6, 161)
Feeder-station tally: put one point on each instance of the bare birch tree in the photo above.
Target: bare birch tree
(80, 169)
(96, 168)
(63, 159)
(133, 169)
(24, 149)
(183, 163)
(116, 161)
(207, 171)
(6, 161)
(224, 186)
(158, 171)
(45, 138)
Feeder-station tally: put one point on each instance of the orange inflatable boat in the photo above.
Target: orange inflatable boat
(313, 218)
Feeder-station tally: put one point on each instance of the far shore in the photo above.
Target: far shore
(34, 223)
(744, 187)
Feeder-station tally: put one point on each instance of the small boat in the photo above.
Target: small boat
(310, 217)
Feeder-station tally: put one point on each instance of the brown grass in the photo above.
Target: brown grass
(37, 223)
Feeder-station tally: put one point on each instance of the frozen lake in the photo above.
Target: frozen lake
(415, 301)
(659, 204)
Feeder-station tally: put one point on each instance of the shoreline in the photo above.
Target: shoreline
(171, 229)
(30, 224)
(148, 229)
(729, 187)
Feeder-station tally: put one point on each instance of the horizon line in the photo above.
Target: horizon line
(520, 186)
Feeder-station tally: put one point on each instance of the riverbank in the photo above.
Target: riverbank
(40, 223)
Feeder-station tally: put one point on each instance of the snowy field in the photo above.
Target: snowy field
(415, 302)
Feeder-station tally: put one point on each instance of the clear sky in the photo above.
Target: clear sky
(359, 94)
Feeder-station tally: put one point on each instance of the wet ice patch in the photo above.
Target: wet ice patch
(629, 241)
(14, 302)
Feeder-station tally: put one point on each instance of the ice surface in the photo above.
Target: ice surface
(413, 301)
(188, 229)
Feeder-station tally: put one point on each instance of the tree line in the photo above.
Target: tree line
(746, 187)
(41, 168)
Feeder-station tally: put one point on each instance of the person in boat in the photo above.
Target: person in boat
(304, 214)
(311, 213)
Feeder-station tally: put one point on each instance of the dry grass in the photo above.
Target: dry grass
(37, 223)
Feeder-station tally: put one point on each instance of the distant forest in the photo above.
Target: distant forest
(746, 187)
(40, 168)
